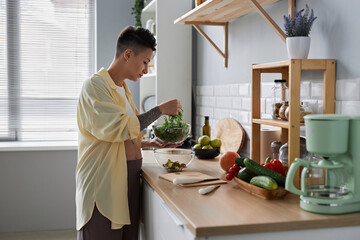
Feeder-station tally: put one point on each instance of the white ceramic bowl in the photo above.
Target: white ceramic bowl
(180, 158)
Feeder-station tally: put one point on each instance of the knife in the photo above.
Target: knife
(185, 180)
(208, 189)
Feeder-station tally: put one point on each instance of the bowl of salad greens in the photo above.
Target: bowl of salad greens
(174, 159)
(173, 130)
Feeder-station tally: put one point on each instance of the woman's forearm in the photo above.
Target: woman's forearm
(148, 117)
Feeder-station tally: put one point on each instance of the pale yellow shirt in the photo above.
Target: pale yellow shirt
(101, 172)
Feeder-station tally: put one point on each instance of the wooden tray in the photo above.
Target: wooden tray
(279, 193)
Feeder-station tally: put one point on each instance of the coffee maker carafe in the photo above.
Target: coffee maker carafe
(329, 184)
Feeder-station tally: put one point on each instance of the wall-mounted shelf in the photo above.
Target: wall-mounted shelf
(151, 7)
(220, 12)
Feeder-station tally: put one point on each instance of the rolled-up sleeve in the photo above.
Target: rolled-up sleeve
(102, 117)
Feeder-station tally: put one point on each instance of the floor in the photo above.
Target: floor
(44, 235)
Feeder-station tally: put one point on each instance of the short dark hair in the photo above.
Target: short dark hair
(136, 38)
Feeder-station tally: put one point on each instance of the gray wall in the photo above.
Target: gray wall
(335, 34)
(112, 17)
(37, 188)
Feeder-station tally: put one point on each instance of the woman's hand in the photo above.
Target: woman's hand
(156, 143)
(171, 107)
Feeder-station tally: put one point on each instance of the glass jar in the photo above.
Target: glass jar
(280, 94)
(305, 109)
(283, 151)
(282, 111)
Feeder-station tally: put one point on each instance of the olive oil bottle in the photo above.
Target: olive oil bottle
(206, 129)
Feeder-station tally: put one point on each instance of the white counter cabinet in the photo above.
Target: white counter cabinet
(160, 222)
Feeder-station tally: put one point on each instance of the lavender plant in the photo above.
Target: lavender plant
(299, 25)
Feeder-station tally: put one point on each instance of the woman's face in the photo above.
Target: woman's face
(138, 64)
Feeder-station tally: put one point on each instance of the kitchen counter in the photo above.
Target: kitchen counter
(229, 210)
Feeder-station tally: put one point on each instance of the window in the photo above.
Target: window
(46, 53)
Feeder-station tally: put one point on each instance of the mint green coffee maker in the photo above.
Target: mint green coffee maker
(331, 183)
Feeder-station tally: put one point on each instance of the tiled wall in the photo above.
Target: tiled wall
(234, 100)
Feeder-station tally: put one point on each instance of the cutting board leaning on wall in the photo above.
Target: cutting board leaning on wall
(231, 134)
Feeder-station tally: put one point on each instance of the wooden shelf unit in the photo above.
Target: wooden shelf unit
(290, 130)
(220, 12)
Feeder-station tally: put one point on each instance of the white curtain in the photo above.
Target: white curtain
(47, 51)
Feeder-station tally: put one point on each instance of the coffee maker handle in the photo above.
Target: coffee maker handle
(289, 183)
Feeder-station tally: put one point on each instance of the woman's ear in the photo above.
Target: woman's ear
(127, 54)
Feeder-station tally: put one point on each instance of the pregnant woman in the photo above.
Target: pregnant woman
(109, 155)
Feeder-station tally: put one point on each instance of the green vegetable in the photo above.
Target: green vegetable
(261, 170)
(264, 182)
(173, 129)
(245, 174)
(268, 159)
(240, 161)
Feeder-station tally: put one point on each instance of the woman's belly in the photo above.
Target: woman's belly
(132, 149)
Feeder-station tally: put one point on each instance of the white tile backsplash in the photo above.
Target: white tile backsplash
(246, 104)
(266, 89)
(317, 90)
(244, 89)
(350, 108)
(234, 90)
(205, 90)
(348, 90)
(305, 90)
(221, 113)
(224, 102)
(222, 90)
(237, 102)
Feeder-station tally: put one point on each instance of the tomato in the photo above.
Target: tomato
(232, 171)
(236, 166)
(229, 176)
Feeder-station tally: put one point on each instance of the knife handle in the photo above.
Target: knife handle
(208, 189)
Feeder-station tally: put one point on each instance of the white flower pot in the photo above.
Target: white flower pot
(298, 47)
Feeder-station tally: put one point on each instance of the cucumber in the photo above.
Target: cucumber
(264, 182)
(240, 161)
(261, 170)
(245, 174)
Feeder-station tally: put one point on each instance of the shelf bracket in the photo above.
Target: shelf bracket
(268, 19)
(224, 53)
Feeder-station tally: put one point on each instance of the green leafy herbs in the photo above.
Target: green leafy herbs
(173, 129)
(175, 121)
(136, 10)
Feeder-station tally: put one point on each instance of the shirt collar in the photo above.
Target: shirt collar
(105, 74)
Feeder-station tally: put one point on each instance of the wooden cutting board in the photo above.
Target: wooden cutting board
(171, 176)
(231, 134)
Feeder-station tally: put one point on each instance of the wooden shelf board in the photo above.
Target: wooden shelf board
(220, 11)
(280, 64)
(306, 64)
(273, 122)
(151, 7)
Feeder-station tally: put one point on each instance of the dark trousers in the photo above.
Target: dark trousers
(99, 227)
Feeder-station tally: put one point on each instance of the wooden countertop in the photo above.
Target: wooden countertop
(231, 210)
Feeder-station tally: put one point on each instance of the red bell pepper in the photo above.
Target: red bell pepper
(276, 166)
